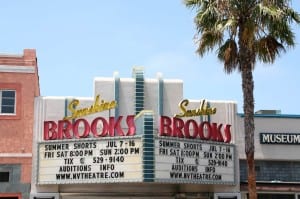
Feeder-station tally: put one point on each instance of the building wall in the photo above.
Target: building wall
(172, 92)
(123, 90)
(18, 72)
(277, 164)
(271, 124)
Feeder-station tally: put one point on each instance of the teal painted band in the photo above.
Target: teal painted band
(160, 96)
(272, 116)
(117, 94)
(148, 149)
(139, 91)
(208, 116)
(66, 107)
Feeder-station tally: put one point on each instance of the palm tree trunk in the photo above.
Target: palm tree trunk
(248, 88)
(251, 177)
(247, 61)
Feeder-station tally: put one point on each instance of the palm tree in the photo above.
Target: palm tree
(244, 31)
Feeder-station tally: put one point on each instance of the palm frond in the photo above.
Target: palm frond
(268, 48)
(208, 40)
(270, 11)
(228, 53)
(207, 16)
(275, 18)
(228, 24)
(294, 15)
(282, 31)
(192, 3)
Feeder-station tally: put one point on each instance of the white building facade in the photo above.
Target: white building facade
(135, 138)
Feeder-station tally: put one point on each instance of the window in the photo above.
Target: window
(9, 197)
(4, 176)
(7, 102)
(10, 101)
(227, 196)
(44, 198)
(275, 196)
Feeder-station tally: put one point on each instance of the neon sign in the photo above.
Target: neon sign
(202, 110)
(177, 127)
(98, 106)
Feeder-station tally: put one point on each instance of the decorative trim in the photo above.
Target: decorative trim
(66, 107)
(208, 116)
(117, 92)
(11, 195)
(14, 155)
(160, 95)
(138, 75)
(272, 116)
(17, 69)
(148, 151)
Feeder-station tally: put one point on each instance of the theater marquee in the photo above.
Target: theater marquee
(90, 161)
(194, 161)
(75, 151)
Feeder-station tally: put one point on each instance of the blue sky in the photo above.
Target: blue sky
(77, 41)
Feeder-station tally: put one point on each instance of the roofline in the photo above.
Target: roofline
(272, 115)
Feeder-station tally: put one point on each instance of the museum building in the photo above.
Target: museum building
(277, 160)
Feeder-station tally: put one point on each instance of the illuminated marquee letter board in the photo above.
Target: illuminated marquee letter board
(90, 161)
(194, 161)
(120, 159)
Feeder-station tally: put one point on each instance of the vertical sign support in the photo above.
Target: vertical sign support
(145, 126)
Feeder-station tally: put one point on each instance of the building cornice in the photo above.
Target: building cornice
(15, 155)
(17, 69)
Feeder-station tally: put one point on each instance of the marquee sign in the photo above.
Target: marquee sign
(74, 150)
(90, 161)
(194, 161)
(203, 109)
(65, 129)
(98, 106)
